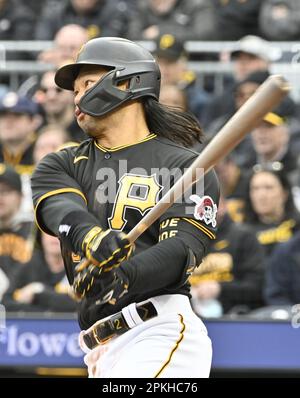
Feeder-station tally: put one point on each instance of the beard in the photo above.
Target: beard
(89, 125)
(94, 126)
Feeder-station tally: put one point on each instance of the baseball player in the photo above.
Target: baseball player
(134, 301)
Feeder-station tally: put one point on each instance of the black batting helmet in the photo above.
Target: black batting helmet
(126, 61)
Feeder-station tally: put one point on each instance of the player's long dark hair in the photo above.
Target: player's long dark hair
(178, 126)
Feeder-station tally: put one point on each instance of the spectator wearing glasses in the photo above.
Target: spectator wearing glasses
(58, 106)
(270, 210)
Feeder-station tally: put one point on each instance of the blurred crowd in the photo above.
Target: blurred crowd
(147, 19)
(254, 264)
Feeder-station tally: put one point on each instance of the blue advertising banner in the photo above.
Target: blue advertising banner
(42, 342)
(245, 345)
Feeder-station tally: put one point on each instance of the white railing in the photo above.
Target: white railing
(288, 66)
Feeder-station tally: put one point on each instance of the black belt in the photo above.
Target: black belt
(116, 325)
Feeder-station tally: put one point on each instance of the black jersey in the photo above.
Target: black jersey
(270, 235)
(120, 185)
(15, 247)
(22, 162)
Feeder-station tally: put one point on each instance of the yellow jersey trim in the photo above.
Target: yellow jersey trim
(69, 144)
(201, 227)
(181, 336)
(79, 158)
(52, 193)
(117, 148)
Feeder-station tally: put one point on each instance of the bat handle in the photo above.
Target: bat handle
(135, 233)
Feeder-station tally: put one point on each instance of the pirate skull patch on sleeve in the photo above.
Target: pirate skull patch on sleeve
(205, 209)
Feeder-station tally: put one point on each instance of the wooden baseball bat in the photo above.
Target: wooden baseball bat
(266, 98)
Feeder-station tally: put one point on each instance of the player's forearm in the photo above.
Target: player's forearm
(69, 210)
(162, 266)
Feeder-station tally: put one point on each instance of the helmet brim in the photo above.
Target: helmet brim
(66, 75)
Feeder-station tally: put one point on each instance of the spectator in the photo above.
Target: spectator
(99, 17)
(66, 45)
(41, 285)
(271, 143)
(16, 21)
(234, 183)
(251, 54)
(18, 122)
(67, 42)
(16, 236)
(228, 273)
(236, 18)
(50, 139)
(242, 92)
(189, 20)
(283, 274)
(172, 95)
(270, 209)
(58, 105)
(173, 63)
(280, 20)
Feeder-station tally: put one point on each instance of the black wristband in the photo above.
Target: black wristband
(74, 227)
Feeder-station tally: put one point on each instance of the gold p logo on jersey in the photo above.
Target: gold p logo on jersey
(126, 198)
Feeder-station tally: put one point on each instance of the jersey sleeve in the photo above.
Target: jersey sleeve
(198, 206)
(53, 176)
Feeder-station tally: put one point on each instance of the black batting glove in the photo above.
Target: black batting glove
(106, 249)
(103, 287)
(79, 233)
